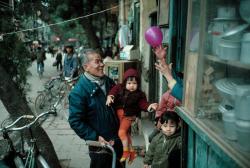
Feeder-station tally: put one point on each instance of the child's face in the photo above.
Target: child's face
(131, 85)
(169, 128)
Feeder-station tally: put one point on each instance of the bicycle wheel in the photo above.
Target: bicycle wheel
(42, 162)
(41, 104)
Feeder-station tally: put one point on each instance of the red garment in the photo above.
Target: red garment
(131, 102)
(130, 72)
(125, 124)
(167, 103)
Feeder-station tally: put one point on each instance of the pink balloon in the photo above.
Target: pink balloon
(154, 36)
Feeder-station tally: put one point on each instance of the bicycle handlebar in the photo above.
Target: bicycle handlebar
(69, 80)
(8, 127)
(95, 143)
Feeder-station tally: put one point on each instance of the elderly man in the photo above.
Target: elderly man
(89, 116)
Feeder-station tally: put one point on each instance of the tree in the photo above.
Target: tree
(14, 63)
(90, 25)
(16, 104)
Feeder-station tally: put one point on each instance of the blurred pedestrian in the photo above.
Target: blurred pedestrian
(70, 62)
(40, 60)
(59, 60)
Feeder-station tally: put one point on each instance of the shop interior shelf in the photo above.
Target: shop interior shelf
(231, 63)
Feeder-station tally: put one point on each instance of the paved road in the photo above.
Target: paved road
(71, 150)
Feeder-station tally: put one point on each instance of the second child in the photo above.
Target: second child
(164, 150)
(128, 101)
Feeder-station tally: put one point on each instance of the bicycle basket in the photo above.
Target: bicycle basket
(4, 148)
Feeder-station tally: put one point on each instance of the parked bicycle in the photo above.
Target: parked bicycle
(48, 96)
(31, 157)
(69, 84)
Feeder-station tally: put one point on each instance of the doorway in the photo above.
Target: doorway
(153, 73)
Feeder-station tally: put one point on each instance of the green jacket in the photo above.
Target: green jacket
(160, 148)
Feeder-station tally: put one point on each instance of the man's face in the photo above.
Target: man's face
(95, 65)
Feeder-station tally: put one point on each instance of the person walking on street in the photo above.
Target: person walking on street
(59, 60)
(70, 62)
(89, 116)
(40, 61)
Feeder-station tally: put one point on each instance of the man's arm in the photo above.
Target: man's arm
(77, 116)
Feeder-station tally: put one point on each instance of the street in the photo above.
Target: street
(71, 150)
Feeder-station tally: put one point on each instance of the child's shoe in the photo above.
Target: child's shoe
(125, 156)
(132, 157)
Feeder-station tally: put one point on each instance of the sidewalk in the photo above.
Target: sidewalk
(71, 150)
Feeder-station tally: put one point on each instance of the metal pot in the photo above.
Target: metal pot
(226, 12)
(230, 43)
(229, 49)
(245, 45)
(228, 118)
(219, 27)
(242, 102)
(244, 10)
(243, 134)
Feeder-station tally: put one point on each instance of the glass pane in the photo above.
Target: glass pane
(195, 24)
(225, 95)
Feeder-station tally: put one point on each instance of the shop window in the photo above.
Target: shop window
(217, 86)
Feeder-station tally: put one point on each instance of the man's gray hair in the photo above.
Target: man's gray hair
(85, 59)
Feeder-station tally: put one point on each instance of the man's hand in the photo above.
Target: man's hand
(102, 140)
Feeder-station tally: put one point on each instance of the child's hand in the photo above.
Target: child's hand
(110, 99)
(153, 106)
(146, 166)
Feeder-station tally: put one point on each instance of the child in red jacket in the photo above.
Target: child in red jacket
(128, 101)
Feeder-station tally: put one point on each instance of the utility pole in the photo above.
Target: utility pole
(11, 2)
(122, 10)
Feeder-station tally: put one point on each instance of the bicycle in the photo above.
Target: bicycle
(106, 146)
(24, 159)
(48, 96)
(69, 84)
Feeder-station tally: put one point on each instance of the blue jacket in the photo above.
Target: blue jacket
(70, 65)
(89, 116)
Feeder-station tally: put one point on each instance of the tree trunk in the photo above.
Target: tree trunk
(16, 105)
(90, 33)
